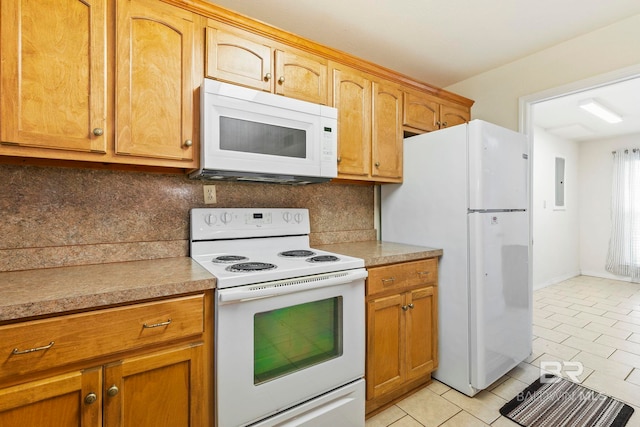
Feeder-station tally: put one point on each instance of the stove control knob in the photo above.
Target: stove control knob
(286, 216)
(210, 219)
(226, 217)
(298, 218)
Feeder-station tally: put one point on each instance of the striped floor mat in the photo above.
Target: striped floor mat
(555, 402)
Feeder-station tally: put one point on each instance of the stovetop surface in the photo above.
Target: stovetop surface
(281, 267)
(250, 236)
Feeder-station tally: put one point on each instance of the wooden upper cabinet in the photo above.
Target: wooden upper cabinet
(115, 82)
(452, 114)
(154, 82)
(352, 98)
(301, 75)
(243, 58)
(53, 69)
(369, 126)
(387, 132)
(238, 57)
(425, 113)
(421, 111)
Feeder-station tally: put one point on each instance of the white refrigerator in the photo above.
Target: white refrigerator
(466, 190)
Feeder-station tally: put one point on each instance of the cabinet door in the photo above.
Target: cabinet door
(451, 115)
(154, 83)
(53, 92)
(352, 98)
(162, 389)
(387, 132)
(421, 111)
(301, 76)
(239, 58)
(421, 332)
(385, 345)
(58, 401)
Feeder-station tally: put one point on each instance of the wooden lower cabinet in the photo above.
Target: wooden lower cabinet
(156, 390)
(401, 330)
(58, 400)
(161, 385)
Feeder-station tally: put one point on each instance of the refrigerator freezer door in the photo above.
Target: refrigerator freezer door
(500, 296)
(498, 167)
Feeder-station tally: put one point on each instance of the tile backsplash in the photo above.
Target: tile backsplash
(55, 217)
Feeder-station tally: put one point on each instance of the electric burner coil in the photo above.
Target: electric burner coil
(249, 267)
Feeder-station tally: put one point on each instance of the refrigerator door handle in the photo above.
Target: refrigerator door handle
(494, 210)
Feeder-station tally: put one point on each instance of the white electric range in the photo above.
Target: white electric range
(289, 323)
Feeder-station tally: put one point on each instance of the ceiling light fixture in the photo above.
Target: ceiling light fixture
(600, 111)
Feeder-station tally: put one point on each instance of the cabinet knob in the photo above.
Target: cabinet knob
(444, 124)
(438, 123)
(267, 76)
(281, 80)
(113, 390)
(377, 164)
(90, 398)
(339, 159)
(98, 131)
(411, 306)
(188, 143)
(405, 308)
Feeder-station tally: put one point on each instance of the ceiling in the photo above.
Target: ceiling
(445, 42)
(564, 118)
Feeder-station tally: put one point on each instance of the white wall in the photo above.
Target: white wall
(496, 92)
(556, 232)
(596, 169)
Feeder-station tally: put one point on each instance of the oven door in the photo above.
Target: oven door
(280, 344)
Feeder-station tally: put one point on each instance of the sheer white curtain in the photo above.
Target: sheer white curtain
(623, 257)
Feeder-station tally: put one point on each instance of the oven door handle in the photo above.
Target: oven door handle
(288, 286)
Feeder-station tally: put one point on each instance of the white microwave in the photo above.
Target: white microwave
(249, 135)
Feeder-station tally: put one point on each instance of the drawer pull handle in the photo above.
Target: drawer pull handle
(31, 350)
(388, 281)
(425, 273)
(156, 325)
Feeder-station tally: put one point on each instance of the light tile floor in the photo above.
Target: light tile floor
(584, 319)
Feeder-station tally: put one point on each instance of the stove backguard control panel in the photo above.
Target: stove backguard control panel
(220, 223)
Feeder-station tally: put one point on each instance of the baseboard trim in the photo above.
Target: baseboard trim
(556, 280)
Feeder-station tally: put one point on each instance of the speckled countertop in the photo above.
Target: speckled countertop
(40, 292)
(376, 253)
(47, 291)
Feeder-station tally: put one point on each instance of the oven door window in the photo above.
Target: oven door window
(293, 338)
(261, 138)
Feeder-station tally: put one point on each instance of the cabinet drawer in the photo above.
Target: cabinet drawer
(399, 276)
(43, 344)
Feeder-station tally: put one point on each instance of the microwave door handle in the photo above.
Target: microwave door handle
(282, 287)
